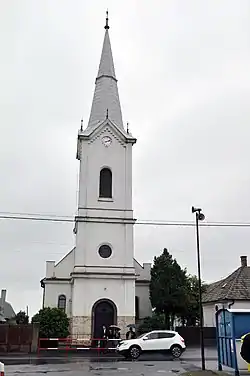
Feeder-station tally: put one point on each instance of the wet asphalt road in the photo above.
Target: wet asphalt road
(68, 365)
(108, 368)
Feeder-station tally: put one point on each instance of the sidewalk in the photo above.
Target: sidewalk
(194, 354)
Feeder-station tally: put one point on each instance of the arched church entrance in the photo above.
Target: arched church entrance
(104, 312)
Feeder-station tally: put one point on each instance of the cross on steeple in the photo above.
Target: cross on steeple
(107, 20)
(127, 128)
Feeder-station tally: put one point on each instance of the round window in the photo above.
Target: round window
(105, 251)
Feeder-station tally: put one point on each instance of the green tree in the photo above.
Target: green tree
(156, 322)
(22, 318)
(191, 314)
(54, 323)
(168, 287)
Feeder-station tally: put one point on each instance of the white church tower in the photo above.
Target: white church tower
(104, 273)
(96, 282)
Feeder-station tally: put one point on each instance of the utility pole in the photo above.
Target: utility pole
(199, 216)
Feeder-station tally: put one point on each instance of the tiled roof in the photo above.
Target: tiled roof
(2, 319)
(234, 287)
(7, 311)
(106, 102)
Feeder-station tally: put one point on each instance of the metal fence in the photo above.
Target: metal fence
(72, 344)
(191, 334)
(16, 338)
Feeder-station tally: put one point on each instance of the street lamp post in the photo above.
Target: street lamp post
(199, 216)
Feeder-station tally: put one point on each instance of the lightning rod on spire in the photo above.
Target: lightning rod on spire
(127, 128)
(107, 20)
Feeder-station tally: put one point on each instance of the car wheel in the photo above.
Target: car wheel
(176, 351)
(134, 352)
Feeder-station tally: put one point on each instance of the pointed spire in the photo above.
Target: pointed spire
(106, 91)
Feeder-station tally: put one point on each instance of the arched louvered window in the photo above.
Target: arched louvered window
(105, 184)
(137, 316)
(62, 302)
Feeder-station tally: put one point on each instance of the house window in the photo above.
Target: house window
(62, 302)
(137, 316)
(105, 185)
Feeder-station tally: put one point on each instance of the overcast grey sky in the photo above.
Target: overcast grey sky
(184, 84)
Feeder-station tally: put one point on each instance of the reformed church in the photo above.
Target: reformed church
(99, 282)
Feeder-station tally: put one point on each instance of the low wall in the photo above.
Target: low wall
(191, 335)
(19, 338)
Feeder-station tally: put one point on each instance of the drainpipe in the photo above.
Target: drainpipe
(43, 287)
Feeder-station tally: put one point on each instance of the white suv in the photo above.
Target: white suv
(157, 341)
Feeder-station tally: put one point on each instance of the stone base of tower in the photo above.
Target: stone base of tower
(123, 322)
(81, 327)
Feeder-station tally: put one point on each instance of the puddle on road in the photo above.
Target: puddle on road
(108, 369)
(41, 371)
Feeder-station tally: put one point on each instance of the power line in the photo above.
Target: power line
(67, 219)
(32, 218)
(188, 224)
(38, 215)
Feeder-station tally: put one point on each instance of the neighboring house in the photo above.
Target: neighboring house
(232, 291)
(6, 310)
(143, 306)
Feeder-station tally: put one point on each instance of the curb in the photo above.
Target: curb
(198, 359)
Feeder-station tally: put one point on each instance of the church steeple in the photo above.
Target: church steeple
(106, 97)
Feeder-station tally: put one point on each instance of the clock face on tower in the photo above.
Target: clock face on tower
(106, 140)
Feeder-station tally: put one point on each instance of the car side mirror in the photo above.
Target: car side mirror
(145, 338)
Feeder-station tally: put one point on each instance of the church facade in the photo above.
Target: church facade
(99, 282)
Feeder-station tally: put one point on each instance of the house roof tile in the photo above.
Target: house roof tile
(234, 287)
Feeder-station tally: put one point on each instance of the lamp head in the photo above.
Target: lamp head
(194, 210)
(201, 217)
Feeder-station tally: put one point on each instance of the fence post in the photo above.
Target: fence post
(35, 338)
(1, 369)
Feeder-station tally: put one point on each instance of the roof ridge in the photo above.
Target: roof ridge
(65, 256)
(245, 277)
(236, 286)
(234, 280)
(216, 288)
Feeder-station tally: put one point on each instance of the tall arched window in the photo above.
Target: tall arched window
(62, 302)
(137, 315)
(105, 184)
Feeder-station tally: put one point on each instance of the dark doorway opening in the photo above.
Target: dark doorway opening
(104, 313)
